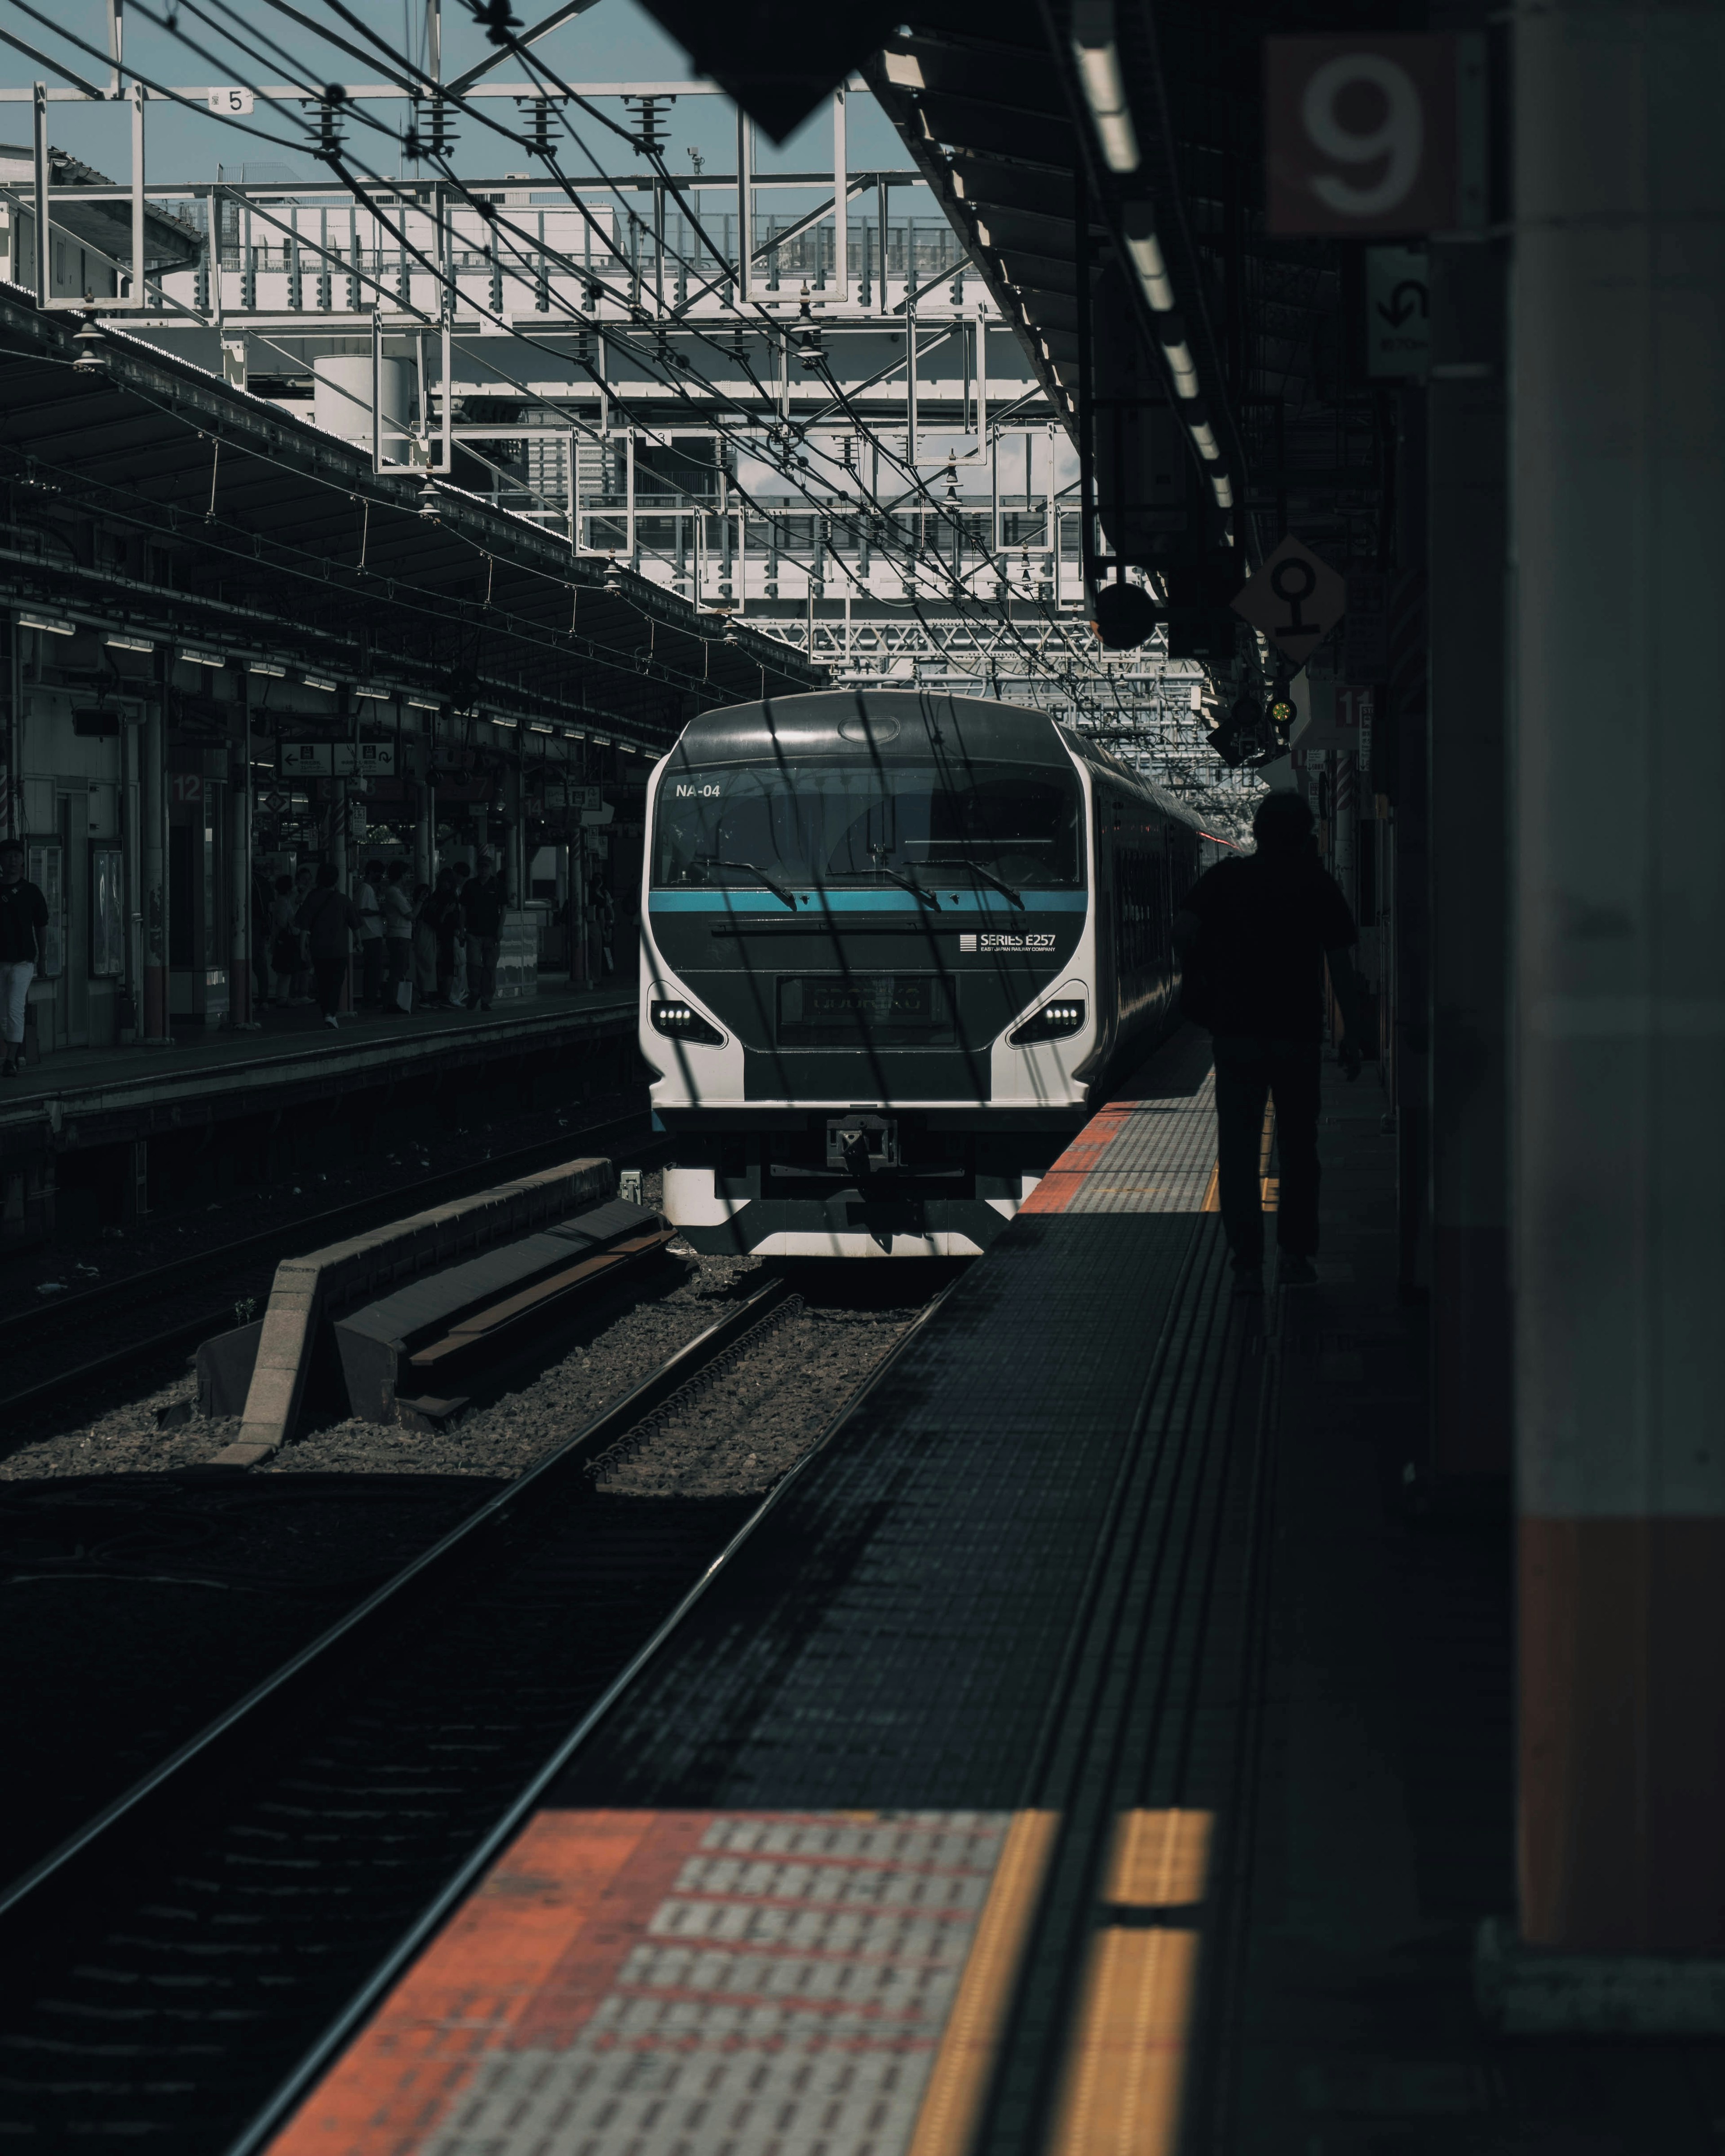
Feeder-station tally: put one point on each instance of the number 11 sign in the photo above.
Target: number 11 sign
(1374, 134)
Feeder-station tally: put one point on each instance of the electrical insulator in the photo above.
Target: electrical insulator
(329, 126)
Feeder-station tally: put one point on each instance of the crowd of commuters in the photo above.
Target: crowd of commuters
(24, 929)
(406, 946)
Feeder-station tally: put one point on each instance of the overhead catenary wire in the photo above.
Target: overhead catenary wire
(320, 148)
(914, 568)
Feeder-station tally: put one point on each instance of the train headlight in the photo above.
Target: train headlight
(683, 1022)
(1053, 1022)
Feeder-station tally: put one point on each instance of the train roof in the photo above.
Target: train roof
(893, 726)
(903, 726)
(1101, 757)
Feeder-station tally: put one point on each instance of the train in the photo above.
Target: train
(895, 947)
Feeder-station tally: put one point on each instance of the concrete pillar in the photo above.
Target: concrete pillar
(1468, 776)
(153, 790)
(1617, 308)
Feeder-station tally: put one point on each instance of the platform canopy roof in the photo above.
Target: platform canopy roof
(263, 535)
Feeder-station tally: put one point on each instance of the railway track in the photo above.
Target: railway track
(181, 1968)
(243, 1268)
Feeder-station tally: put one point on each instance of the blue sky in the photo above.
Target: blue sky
(615, 41)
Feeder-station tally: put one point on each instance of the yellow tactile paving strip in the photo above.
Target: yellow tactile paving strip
(965, 2063)
(1126, 2072)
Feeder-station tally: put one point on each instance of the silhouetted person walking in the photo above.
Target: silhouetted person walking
(1252, 935)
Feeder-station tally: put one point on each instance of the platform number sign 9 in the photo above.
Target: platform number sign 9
(1364, 135)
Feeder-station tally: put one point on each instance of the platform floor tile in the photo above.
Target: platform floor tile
(645, 1983)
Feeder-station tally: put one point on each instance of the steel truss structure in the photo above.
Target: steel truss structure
(785, 396)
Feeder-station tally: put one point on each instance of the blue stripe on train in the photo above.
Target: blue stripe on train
(741, 899)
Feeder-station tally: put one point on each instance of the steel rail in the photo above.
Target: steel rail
(155, 1797)
(274, 2113)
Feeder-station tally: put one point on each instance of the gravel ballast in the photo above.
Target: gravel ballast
(146, 1589)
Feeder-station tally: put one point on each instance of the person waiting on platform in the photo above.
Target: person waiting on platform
(305, 883)
(287, 949)
(23, 932)
(482, 903)
(398, 938)
(443, 911)
(368, 900)
(1252, 936)
(424, 946)
(327, 917)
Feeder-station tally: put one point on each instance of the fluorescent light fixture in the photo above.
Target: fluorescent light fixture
(267, 666)
(192, 658)
(1145, 248)
(1207, 446)
(1223, 488)
(573, 733)
(1098, 59)
(49, 624)
(511, 723)
(535, 726)
(377, 696)
(1178, 354)
(317, 681)
(128, 644)
(419, 704)
(603, 740)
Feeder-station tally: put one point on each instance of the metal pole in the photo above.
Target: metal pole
(911, 384)
(841, 212)
(137, 194)
(240, 881)
(424, 824)
(154, 789)
(745, 208)
(39, 143)
(448, 344)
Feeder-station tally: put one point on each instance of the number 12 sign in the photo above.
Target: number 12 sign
(1374, 134)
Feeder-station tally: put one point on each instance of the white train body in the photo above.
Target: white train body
(893, 945)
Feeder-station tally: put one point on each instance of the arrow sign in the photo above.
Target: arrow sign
(1296, 598)
(1409, 298)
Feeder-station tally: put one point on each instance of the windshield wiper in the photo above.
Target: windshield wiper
(748, 868)
(904, 883)
(976, 867)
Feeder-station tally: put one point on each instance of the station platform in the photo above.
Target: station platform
(96, 1096)
(1092, 1748)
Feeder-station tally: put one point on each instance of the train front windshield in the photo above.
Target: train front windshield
(849, 826)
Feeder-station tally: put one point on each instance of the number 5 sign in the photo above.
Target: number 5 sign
(1374, 134)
